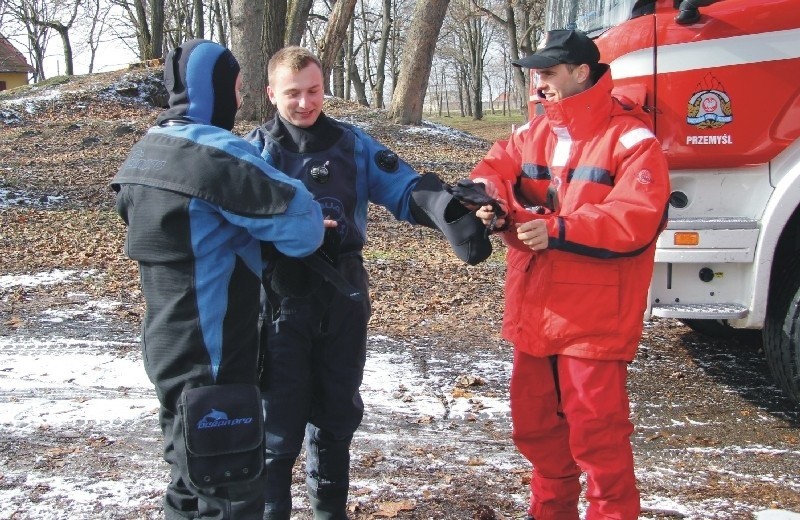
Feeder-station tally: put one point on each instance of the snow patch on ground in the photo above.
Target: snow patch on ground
(78, 496)
(10, 117)
(31, 103)
(81, 380)
(53, 277)
(776, 514)
(139, 87)
(9, 198)
(438, 131)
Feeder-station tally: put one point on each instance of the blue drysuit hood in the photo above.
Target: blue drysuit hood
(200, 76)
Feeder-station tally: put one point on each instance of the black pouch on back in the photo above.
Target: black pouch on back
(223, 429)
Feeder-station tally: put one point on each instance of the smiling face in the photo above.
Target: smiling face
(298, 95)
(562, 81)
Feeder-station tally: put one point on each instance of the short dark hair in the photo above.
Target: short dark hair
(595, 70)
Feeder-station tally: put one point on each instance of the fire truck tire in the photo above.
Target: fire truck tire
(782, 331)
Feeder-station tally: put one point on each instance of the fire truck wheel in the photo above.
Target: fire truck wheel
(782, 331)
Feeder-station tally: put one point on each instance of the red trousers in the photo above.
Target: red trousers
(570, 415)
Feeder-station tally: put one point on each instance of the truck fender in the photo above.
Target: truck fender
(785, 198)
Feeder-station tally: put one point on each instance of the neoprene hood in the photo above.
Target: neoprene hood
(200, 77)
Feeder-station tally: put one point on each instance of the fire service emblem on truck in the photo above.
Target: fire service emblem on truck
(710, 105)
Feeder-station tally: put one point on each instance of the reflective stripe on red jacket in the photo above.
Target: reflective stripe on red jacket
(603, 175)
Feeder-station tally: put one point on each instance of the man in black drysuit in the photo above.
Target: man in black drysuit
(316, 343)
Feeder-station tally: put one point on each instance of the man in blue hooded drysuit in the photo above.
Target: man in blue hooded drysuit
(200, 205)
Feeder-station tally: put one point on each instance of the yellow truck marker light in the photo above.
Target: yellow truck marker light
(686, 238)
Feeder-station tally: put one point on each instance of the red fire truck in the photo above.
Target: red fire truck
(721, 79)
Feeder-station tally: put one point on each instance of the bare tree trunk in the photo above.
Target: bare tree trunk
(491, 97)
(365, 47)
(520, 78)
(38, 60)
(136, 13)
(273, 37)
(247, 25)
(415, 69)
(354, 79)
(144, 37)
(478, 47)
(472, 37)
(296, 20)
(37, 38)
(462, 90)
(380, 73)
(349, 61)
(506, 86)
(157, 25)
(395, 45)
(199, 21)
(435, 102)
(337, 75)
(98, 15)
(37, 35)
(335, 35)
(178, 17)
(222, 23)
(446, 93)
(63, 31)
(274, 33)
(358, 87)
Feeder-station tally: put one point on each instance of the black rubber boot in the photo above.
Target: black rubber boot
(327, 509)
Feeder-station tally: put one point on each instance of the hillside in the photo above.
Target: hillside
(63, 142)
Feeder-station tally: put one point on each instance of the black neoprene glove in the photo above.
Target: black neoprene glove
(472, 193)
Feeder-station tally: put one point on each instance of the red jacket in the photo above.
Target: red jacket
(602, 173)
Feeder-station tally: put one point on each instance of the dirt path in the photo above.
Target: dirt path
(79, 437)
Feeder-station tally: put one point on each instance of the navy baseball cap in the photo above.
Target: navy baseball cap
(562, 46)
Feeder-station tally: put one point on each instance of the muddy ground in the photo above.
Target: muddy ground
(79, 439)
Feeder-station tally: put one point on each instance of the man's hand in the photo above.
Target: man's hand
(329, 250)
(487, 213)
(534, 234)
(487, 216)
(489, 186)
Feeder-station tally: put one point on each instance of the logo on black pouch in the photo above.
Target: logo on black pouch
(218, 419)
